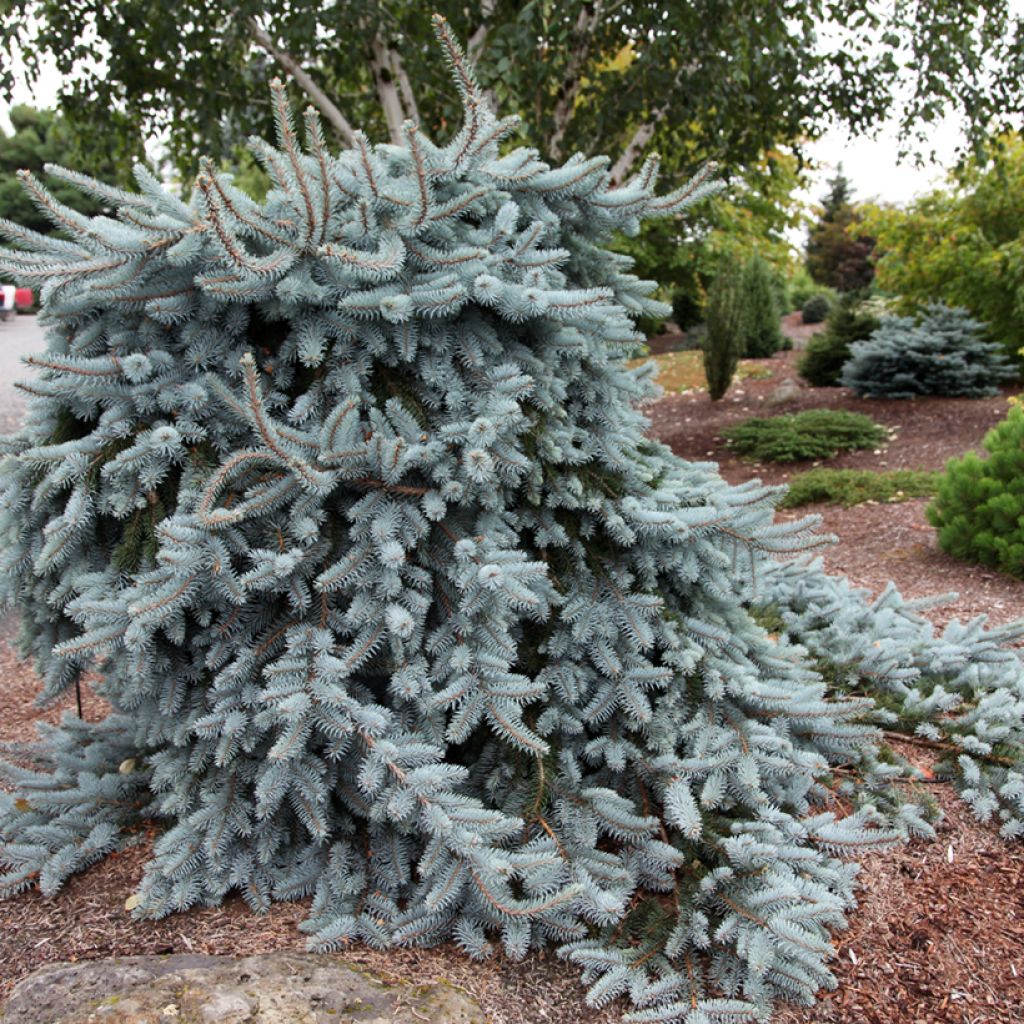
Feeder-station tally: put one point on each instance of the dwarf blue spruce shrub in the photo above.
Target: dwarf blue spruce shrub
(940, 353)
(396, 607)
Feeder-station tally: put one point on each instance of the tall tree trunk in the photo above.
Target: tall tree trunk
(305, 82)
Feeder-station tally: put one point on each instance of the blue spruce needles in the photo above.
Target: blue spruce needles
(395, 605)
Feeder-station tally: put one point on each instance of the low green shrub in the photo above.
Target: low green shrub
(848, 487)
(800, 287)
(979, 507)
(813, 434)
(850, 320)
(941, 353)
(816, 308)
(687, 308)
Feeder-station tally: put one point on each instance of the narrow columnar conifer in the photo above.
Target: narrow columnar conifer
(345, 496)
(722, 345)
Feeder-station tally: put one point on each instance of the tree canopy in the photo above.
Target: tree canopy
(41, 137)
(962, 244)
(690, 78)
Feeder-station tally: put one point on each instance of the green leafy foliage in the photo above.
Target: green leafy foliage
(942, 352)
(732, 83)
(848, 487)
(827, 352)
(812, 434)
(817, 308)
(979, 507)
(962, 244)
(762, 335)
(723, 336)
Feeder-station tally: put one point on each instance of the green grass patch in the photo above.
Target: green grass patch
(683, 370)
(797, 437)
(848, 487)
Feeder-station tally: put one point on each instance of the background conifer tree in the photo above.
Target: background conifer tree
(762, 334)
(722, 344)
(396, 606)
(838, 251)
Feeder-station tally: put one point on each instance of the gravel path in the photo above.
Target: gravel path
(19, 337)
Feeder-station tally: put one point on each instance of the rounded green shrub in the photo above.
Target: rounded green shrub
(812, 434)
(826, 353)
(979, 508)
(816, 308)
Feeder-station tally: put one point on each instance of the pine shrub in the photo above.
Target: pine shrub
(816, 308)
(827, 352)
(762, 335)
(979, 507)
(812, 434)
(940, 353)
(345, 495)
(722, 339)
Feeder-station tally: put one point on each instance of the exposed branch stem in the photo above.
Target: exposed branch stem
(645, 131)
(304, 80)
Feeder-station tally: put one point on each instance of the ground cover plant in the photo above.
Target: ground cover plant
(979, 507)
(346, 496)
(941, 352)
(811, 434)
(849, 487)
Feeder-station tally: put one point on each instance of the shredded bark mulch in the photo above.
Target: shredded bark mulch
(939, 933)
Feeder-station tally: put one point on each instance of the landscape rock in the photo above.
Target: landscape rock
(274, 988)
(785, 392)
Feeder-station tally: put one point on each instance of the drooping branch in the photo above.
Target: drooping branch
(565, 106)
(305, 81)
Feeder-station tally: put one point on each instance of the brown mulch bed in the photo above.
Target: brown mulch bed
(877, 542)
(939, 932)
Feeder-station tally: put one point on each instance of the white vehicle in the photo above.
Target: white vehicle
(13, 299)
(7, 308)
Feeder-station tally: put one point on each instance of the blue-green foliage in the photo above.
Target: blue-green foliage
(940, 353)
(963, 687)
(346, 497)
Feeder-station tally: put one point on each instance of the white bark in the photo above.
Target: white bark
(636, 145)
(387, 88)
(565, 107)
(477, 41)
(404, 85)
(304, 80)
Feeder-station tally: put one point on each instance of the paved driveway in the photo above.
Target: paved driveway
(18, 338)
